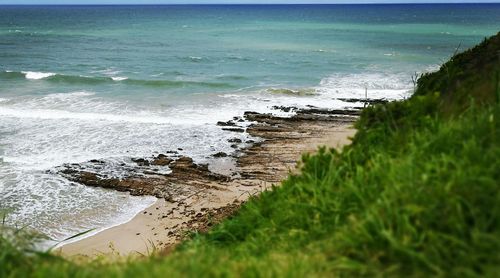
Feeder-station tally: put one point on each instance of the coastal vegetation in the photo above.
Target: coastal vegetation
(416, 193)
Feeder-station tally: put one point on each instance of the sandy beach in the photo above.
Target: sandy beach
(199, 197)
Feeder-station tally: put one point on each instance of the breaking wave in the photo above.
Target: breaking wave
(93, 80)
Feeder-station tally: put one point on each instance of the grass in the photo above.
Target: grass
(416, 194)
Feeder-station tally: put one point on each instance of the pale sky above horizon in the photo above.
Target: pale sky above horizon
(93, 2)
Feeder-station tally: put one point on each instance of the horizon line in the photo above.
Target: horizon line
(249, 4)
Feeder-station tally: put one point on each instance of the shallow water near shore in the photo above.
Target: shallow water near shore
(113, 83)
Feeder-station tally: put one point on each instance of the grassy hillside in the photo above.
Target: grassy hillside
(473, 74)
(416, 194)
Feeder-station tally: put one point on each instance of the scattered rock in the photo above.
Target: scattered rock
(161, 160)
(220, 154)
(234, 129)
(228, 123)
(257, 165)
(284, 108)
(334, 112)
(141, 161)
(368, 101)
(234, 140)
(186, 177)
(182, 162)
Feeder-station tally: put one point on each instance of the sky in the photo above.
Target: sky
(92, 2)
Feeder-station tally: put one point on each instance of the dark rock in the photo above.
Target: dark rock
(284, 108)
(313, 111)
(90, 179)
(141, 161)
(203, 167)
(183, 162)
(220, 154)
(152, 172)
(161, 160)
(368, 101)
(228, 123)
(234, 129)
(169, 199)
(186, 177)
(246, 114)
(234, 140)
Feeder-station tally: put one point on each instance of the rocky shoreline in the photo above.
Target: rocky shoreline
(191, 193)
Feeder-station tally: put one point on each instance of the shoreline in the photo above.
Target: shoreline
(193, 198)
(98, 231)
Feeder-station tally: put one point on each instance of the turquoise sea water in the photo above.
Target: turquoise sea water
(114, 82)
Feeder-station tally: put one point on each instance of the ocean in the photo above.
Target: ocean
(114, 82)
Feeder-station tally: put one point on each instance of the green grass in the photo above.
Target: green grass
(416, 194)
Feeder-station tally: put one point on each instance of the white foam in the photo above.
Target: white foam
(431, 68)
(108, 72)
(61, 114)
(66, 96)
(232, 96)
(376, 85)
(44, 200)
(119, 78)
(37, 75)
